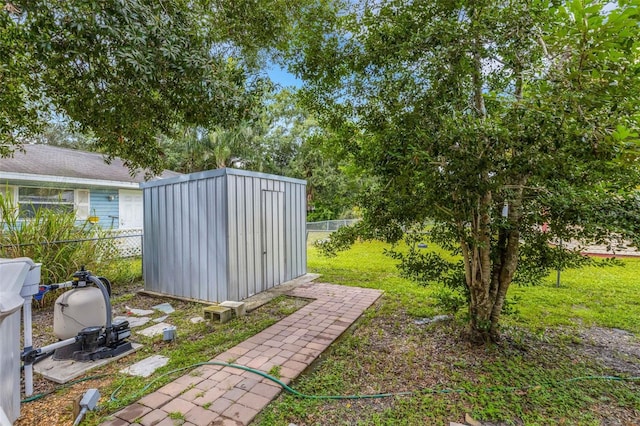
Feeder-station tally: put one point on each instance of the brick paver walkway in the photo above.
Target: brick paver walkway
(215, 395)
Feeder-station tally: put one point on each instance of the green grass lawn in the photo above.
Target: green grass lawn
(365, 265)
(530, 378)
(591, 296)
(600, 296)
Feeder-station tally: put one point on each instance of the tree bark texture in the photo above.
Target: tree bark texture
(488, 275)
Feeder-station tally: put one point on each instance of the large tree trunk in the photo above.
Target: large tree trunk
(477, 257)
(488, 276)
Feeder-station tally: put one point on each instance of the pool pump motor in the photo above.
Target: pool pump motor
(82, 320)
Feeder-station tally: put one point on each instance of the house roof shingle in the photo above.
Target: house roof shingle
(50, 160)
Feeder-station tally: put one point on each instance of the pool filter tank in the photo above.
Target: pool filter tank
(77, 309)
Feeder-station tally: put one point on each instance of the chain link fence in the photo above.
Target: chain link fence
(127, 242)
(116, 252)
(321, 230)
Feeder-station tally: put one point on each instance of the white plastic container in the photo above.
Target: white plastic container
(76, 309)
(13, 273)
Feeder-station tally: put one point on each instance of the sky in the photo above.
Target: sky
(282, 77)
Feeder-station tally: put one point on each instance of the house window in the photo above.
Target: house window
(30, 200)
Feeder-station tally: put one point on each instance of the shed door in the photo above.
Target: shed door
(130, 209)
(272, 211)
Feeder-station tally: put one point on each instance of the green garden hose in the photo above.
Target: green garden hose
(369, 396)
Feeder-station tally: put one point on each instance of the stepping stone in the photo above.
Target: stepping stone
(154, 330)
(217, 312)
(133, 321)
(139, 312)
(147, 366)
(196, 320)
(238, 307)
(164, 307)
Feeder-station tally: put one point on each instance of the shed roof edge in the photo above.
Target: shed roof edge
(217, 173)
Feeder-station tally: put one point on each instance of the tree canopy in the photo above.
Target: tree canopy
(128, 71)
(282, 138)
(486, 119)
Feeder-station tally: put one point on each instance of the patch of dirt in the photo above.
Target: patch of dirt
(616, 349)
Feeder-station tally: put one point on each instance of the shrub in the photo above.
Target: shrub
(54, 239)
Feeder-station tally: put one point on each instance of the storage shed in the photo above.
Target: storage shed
(223, 234)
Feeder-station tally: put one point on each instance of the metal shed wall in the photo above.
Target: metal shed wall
(224, 234)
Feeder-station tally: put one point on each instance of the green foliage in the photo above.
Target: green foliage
(197, 149)
(489, 119)
(54, 239)
(61, 134)
(294, 144)
(18, 105)
(339, 240)
(279, 137)
(130, 71)
(288, 128)
(450, 301)
(121, 272)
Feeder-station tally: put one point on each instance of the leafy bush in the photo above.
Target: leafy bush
(122, 271)
(54, 239)
(449, 300)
